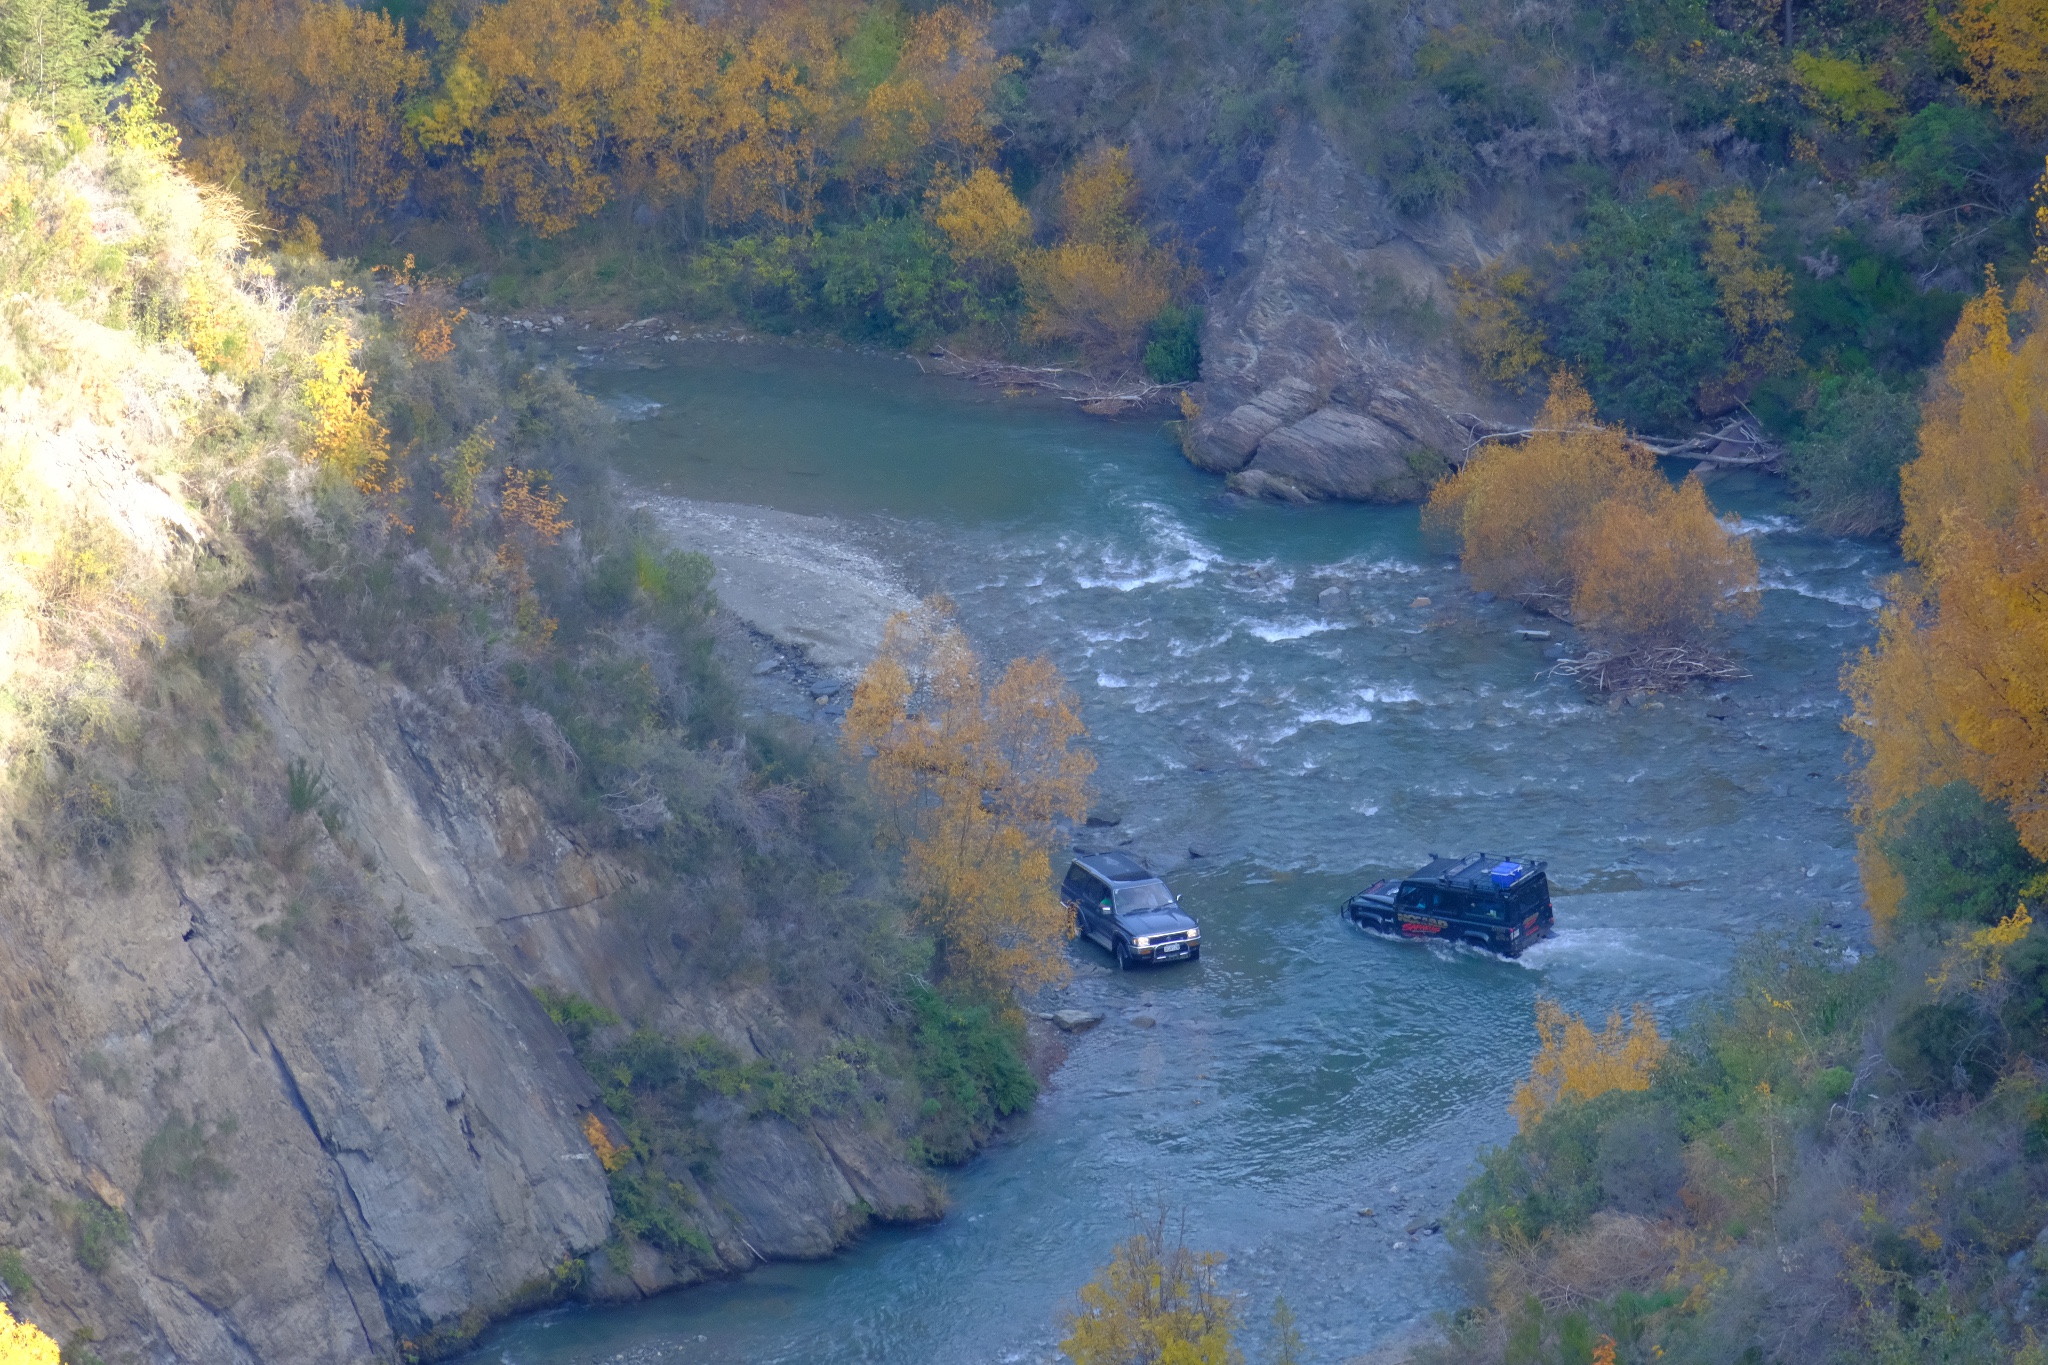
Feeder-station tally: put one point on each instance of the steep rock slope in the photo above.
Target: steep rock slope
(331, 1139)
(1322, 377)
(298, 887)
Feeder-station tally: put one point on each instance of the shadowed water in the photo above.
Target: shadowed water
(1302, 1070)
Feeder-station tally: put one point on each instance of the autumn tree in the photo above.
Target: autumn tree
(1516, 510)
(1578, 520)
(23, 1343)
(1157, 1302)
(1658, 570)
(1106, 279)
(1753, 297)
(1498, 332)
(933, 108)
(1953, 691)
(299, 106)
(984, 224)
(344, 434)
(2004, 44)
(772, 108)
(529, 104)
(977, 774)
(1575, 1063)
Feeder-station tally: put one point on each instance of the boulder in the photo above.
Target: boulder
(1076, 1021)
(1224, 445)
(1337, 453)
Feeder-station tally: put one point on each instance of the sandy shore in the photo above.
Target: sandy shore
(797, 579)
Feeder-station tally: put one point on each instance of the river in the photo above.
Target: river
(1302, 1070)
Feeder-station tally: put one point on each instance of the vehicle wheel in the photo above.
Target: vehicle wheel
(1195, 953)
(1123, 956)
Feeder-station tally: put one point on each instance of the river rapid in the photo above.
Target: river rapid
(1302, 745)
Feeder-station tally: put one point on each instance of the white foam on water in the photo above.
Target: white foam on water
(1342, 715)
(1181, 649)
(1766, 524)
(1119, 633)
(1395, 695)
(1366, 808)
(629, 407)
(1299, 628)
(1110, 680)
(1777, 580)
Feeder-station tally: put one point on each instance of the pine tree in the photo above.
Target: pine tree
(61, 54)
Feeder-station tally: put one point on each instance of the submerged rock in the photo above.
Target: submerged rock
(1076, 1021)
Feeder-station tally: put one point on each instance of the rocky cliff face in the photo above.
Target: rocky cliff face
(248, 1121)
(1327, 364)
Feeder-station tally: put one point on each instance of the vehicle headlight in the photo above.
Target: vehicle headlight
(1141, 942)
(1194, 934)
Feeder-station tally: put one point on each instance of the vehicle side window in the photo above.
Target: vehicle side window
(1410, 898)
(1078, 886)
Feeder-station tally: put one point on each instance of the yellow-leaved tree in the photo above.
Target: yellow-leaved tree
(2005, 47)
(1754, 298)
(1576, 1063)
(24, 1343)
(1656, 571)
(1157, 1302)
(1103, 283)
(346, 436)
(977, 776)
(935, 104)
(1515, 509)
(986, 228)
(1576, 519)
(1955, 690)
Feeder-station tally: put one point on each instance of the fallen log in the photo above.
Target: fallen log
(1105, 398)
(1739, 444)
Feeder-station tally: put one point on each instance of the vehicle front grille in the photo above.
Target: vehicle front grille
(1162, 939)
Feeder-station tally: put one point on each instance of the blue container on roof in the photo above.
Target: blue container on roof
(1505, 873)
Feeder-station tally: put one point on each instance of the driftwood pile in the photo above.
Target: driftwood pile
(1667, 668)
(1103, 397)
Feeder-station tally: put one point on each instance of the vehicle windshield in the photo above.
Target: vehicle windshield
(1142, 897)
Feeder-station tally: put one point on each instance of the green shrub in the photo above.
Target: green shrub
(1637, 315)
(14, 1275)
(1946, 1048)
(1959, 855)
(1866, 311)
(1174, 353)
(180, 1157)
(1947, 154)
(578, 1018)
(1845, 464)
(96, 1231)
(971, 1070)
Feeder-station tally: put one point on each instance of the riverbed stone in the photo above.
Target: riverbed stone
(1076, 1021)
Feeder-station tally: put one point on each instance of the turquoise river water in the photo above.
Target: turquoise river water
(1302, 1070)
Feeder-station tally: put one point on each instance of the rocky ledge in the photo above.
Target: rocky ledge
(1321, 377)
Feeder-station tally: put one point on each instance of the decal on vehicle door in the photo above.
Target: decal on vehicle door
(1422, 924)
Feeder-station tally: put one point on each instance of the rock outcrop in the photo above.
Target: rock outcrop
(1326, 370)
(239, 1130)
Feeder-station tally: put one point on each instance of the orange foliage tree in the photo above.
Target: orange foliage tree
(1575, 1063)
(1955, 688)
(1105, 280)
(978, 775)
(24, 1343)
(346, 436)
(986, 228)
(2004, 44)
(1157, 1302)
(304, 103)
(1578, 518)
(1658, 570)
(934, 107)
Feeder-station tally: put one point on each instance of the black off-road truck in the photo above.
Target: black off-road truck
(1500, 904)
